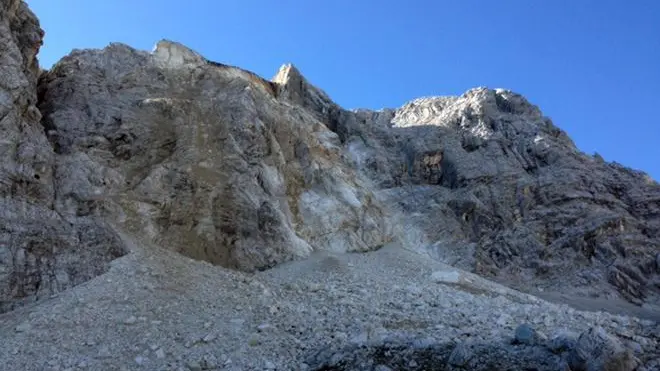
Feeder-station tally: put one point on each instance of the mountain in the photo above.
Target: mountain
(120, 161)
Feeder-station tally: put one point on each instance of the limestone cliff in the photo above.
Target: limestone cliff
(218, 164)
(495, 187)
(500, 190)
(201, 158)
(41, 253)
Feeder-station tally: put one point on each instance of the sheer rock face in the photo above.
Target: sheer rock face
(202, 158)
(40, 253)
(491, 185)
(498, 189)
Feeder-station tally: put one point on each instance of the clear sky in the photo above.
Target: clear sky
(593, 66)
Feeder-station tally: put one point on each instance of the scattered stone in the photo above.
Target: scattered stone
(140, 360)
(635, 347)
(210, 337)
(314, 287)
(291, 286)
(341, 336)
(194, 366)
(209, 362)
(525, 334)
(446, 277)
(191, 342)
(104, 352)
(597, 350)
(460, 356)
(160, 353)
(237, 321)
(130, 320)
(268, 365)
(23, 327)
(503, 320)
(562, 341)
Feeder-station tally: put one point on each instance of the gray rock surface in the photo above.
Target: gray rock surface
(525, 334)
(219, 164)
(497, 189)
(490, 184)
(598, 350)
(41, 253)
(342, 308)
(202, 158)
(168, 212)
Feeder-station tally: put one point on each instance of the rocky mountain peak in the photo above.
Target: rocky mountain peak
(170, 54)
(158, 177)
(294, 87)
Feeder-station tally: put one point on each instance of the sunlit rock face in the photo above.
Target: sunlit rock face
(201, 158)
(497, 188)
(219, 164)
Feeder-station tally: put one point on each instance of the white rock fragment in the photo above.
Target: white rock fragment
(446, 277)
(209, 337)
(130, 320)
(23, 327)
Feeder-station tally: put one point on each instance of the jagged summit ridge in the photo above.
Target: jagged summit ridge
(484, 101)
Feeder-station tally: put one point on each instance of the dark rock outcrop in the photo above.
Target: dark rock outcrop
(41, 253)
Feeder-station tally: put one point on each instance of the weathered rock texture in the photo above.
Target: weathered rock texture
(202, 158)
(500, 190)
(41, 253)
(495, 187)
(218, 164)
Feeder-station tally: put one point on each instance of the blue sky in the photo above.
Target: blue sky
(593, 66)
